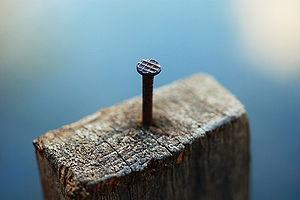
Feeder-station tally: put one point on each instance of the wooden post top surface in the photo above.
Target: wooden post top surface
(111, 143)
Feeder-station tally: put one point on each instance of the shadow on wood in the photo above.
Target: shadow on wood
(198, 148)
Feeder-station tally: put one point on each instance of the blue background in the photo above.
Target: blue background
(63, 60)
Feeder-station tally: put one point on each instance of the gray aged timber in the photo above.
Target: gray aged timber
(197, 148)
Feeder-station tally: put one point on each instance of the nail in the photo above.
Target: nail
(148, 68)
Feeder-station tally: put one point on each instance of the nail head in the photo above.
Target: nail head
(148, 67)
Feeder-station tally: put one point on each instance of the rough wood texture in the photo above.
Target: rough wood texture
(198, 148)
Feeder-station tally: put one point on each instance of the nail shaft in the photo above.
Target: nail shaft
(147, 100)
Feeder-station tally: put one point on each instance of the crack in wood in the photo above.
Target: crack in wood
(119, 155)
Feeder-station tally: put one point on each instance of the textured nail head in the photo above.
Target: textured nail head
(148, 67)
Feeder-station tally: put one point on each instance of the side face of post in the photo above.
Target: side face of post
(147, 99)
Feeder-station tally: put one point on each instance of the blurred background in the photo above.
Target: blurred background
(61, 60)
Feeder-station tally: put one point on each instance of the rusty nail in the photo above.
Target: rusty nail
(148, 68)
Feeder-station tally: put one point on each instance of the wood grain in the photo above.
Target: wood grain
(198, 147)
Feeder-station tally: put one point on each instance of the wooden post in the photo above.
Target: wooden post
(197, 148)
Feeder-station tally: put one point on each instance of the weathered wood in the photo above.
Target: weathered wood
(197, 148)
